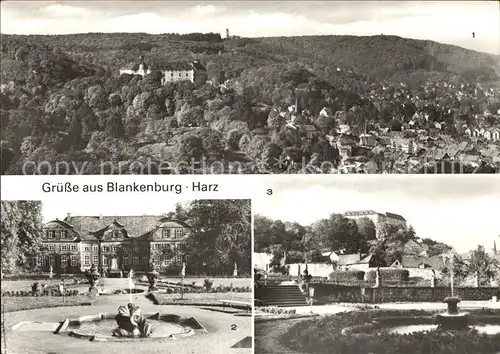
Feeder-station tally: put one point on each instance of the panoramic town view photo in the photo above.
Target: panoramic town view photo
(249, 87)
(378, 265)
(174, 280)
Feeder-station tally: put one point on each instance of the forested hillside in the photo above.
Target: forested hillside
(63, 100)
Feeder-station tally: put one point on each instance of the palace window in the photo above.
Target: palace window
(86, 260)
(64, 234)
(52, 260)
(165, 233)
(51, 234)
(95, 259)
(125, 260)
(156, 261)
(179, 233)
(105, 248)
(64, 261)
(73, 261)
(86, 248)
(105, 260)
(64, 247)
(51, 248)
(116, 234)
(155, 246)
(114, 248)
(136, 260)
(95, 248)
(72, 247)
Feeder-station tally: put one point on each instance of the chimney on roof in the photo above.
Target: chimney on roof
(100, 216)
(68, 215)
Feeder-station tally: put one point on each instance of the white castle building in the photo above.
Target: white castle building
(173, 72)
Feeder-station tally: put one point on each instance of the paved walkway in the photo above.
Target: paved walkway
(224, 330)
(336, 308)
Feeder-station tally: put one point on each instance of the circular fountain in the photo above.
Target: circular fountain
(130, 324)
(453, 319)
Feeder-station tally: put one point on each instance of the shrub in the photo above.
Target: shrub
(277, 311)
(346, 275)
(207, 284)
(389, 275)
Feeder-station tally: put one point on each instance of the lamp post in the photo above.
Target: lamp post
(183, 274)
(451, 280)
(311, 297)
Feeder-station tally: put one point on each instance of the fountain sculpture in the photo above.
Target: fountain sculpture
(453, 319)
(131, 323)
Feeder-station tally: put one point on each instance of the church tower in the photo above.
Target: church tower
(227, 33)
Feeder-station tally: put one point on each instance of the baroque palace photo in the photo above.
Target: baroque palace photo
(112, 243)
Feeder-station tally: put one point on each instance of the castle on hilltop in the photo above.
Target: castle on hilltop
(378, 219)
(194, 72)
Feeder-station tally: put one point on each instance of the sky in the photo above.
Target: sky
(459, 210)
(450, 22)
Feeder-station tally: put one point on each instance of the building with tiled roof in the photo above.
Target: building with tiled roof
(171, 72)
(112, 243)
(379, 219)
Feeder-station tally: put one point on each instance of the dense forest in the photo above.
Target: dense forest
(65, 109)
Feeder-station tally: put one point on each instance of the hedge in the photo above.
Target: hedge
(391, 275)
(217, 289)
(46, 292)
(346, 275)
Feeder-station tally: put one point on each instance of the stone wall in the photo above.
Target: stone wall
(328, 293)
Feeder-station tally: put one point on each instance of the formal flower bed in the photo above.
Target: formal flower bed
(217, 289)
(45, 292)
(276, 310)
(324, 335)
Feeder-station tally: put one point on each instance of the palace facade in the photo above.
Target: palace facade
(112, 243)
(194, 72)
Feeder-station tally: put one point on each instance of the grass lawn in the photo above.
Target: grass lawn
(32, 302)
(202, 299)
(13, 285)
(236, 282)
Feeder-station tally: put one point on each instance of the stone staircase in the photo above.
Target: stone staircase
(280, 295)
